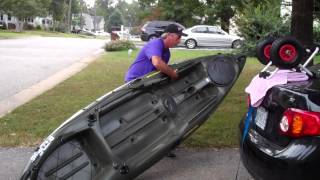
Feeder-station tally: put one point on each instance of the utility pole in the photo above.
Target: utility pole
(69, 16)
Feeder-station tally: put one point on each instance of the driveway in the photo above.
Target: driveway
(26, 62)
(190, 164)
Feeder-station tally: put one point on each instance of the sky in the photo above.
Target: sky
(91, 2)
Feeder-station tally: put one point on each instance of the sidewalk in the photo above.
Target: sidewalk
(190, 164)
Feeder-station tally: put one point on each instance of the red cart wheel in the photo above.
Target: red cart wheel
(263, 50)
(286, 52)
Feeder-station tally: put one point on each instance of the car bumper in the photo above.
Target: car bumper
(265, 160)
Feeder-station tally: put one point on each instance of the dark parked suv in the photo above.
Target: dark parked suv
(154, 29)
(280, 138)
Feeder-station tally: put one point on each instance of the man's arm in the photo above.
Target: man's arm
(163, 67)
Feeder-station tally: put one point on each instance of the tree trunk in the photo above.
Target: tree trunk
(54, 25)
(302, 21)
(19, 26)
(69, 16)
(6, 23)
(225, 23)
(225, 15)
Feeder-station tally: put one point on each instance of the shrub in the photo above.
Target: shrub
(27, 26)
(119, 45)
(258, 22)
(62, 27)
(3, 25)
(38, 27)
(11, 26)
(316, 34)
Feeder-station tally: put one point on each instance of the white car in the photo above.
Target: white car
(101, 33)
(204, 35)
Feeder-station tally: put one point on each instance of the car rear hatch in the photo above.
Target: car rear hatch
(303, 95)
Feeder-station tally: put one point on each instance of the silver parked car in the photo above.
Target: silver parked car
(204, 35)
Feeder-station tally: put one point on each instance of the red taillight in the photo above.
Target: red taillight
(298, 123)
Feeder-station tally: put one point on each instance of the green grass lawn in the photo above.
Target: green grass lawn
(6, 34)
(30, 123)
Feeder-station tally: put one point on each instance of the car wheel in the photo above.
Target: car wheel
(152, 37)
(286, 52)
(263, 50)
(191, 43)
(236, 44)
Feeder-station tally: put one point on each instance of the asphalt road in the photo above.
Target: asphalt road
(26, 62)
(190, 164)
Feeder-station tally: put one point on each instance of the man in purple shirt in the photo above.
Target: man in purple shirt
(155, 55)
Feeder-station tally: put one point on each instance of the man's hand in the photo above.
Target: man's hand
(175, 75)
(163, 67)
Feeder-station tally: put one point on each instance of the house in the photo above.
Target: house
(88, 21)
(43, 22)
(98, 22)
(92, 23)
(286, 9)
(8, 20)
(11, 21)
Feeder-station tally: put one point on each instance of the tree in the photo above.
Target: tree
(186, 12)
(120, 13)
(302, 21)
(115, 20)
(182, 11)
(102, 8)
(191, 12)
(220, 10)
(73, 8)
(57, 9)
(258, 21)
(149, 10)
(130, 13)
(316, 12)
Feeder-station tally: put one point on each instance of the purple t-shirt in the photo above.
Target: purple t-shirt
(143, 64)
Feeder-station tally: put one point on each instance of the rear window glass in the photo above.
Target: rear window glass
(199, 30)
(146, 24)
(162, 24)
(180, 26)
(214, 31)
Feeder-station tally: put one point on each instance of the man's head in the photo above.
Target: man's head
(173, 35)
